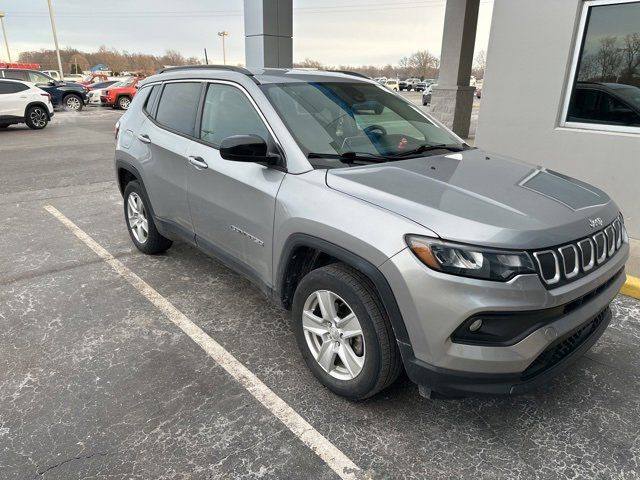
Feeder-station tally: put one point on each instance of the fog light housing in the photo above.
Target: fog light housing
(475, 325)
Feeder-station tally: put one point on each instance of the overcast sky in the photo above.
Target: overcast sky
(354, 32)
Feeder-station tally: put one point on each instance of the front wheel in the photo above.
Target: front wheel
(343, 333)
(139, 220)
(37, 118)
(72, 103)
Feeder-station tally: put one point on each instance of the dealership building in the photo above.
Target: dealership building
(561, 89)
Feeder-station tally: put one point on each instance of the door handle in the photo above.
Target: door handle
(198, 162)
(144, 138)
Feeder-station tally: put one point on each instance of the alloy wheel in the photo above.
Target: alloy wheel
(124, 103)
(72, 103)
(137, 217)
(38, 117)
(333, 335)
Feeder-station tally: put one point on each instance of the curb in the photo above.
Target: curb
(631, 287)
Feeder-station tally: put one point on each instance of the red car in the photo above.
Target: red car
(120, 94)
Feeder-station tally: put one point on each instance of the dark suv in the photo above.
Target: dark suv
(71, 96)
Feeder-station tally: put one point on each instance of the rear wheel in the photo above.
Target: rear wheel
(139, 220)
(343, 333)
(36, 118)
(124, 102)
(72, 103)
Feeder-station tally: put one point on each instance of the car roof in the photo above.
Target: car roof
(258, 75)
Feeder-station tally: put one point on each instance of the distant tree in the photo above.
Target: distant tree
(479, 65)
(308, 63)
(631, 56)
(608, 59)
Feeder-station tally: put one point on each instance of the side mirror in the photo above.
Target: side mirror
(247, 148)
(52, 83)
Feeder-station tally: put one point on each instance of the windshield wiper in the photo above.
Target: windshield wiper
(350, 157)
(428, 147)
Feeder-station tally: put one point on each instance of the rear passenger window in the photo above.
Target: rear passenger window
(227, 111)
(178, 106)
(11, 87)
(151, 99)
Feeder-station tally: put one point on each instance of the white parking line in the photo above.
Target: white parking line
(332, 456)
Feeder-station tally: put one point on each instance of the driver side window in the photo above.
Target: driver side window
(227, 111)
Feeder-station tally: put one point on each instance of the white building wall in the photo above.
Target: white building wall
(528, 62)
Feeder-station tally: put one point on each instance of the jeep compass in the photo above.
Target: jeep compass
(393, 243)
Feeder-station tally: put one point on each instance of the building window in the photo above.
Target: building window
(604, 93)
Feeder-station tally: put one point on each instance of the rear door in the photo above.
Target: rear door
(13, 100)
(233, 203)
(167, 133)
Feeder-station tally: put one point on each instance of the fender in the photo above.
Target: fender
(367, 268)
(37, 104)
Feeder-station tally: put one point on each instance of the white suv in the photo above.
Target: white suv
(22, 102)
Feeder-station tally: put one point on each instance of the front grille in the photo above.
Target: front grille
(565, 263)
(564, 347)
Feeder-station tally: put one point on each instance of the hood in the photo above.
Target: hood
(478, 198)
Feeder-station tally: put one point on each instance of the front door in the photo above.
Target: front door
(232, 203)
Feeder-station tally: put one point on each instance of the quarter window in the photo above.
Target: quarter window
(151, 99)
(227, 111)
(605, 89)
(178, 106)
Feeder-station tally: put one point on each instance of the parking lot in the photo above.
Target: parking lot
(96, 381)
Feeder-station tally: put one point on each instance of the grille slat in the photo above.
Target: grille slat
(564, 263)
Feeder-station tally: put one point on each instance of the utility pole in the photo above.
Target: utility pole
(206, 58)
(224, 52)
(55, 39)
(4, 33)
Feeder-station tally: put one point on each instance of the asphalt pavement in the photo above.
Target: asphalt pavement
(97, 380)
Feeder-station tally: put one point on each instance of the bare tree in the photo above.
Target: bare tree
(479, 65)
(631, 55)
(608, 58)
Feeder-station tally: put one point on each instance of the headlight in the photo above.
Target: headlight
(469, 260)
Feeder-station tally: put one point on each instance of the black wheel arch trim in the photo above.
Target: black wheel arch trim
(124, 165)
(367, 268)
(37, 104)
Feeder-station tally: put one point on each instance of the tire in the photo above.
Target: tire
(36, 117)
(124, 102)
(153, 243)
(72, 103)
(375, 348)
(4, 126)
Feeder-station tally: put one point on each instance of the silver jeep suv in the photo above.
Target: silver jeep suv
(393, 243)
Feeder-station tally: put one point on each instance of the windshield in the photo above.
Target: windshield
(336, 118)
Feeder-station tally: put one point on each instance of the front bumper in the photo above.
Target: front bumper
(434, 305)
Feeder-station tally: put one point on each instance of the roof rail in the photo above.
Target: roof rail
(231, 68)
(348, 72)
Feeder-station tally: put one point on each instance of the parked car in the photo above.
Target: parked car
(478, 90)
(93, 78)
(21, 102)
(121, 94)
(392, 242)
(420, 86)
(392, 84)
(409, 84)
(52, 73)
(380, 80)
(402, 85)
(426, 94)
(70, 96)
(96, 91)
(605, 103)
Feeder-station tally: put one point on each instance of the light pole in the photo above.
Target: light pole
(55, 39)
(224, 52)
(4, 33)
